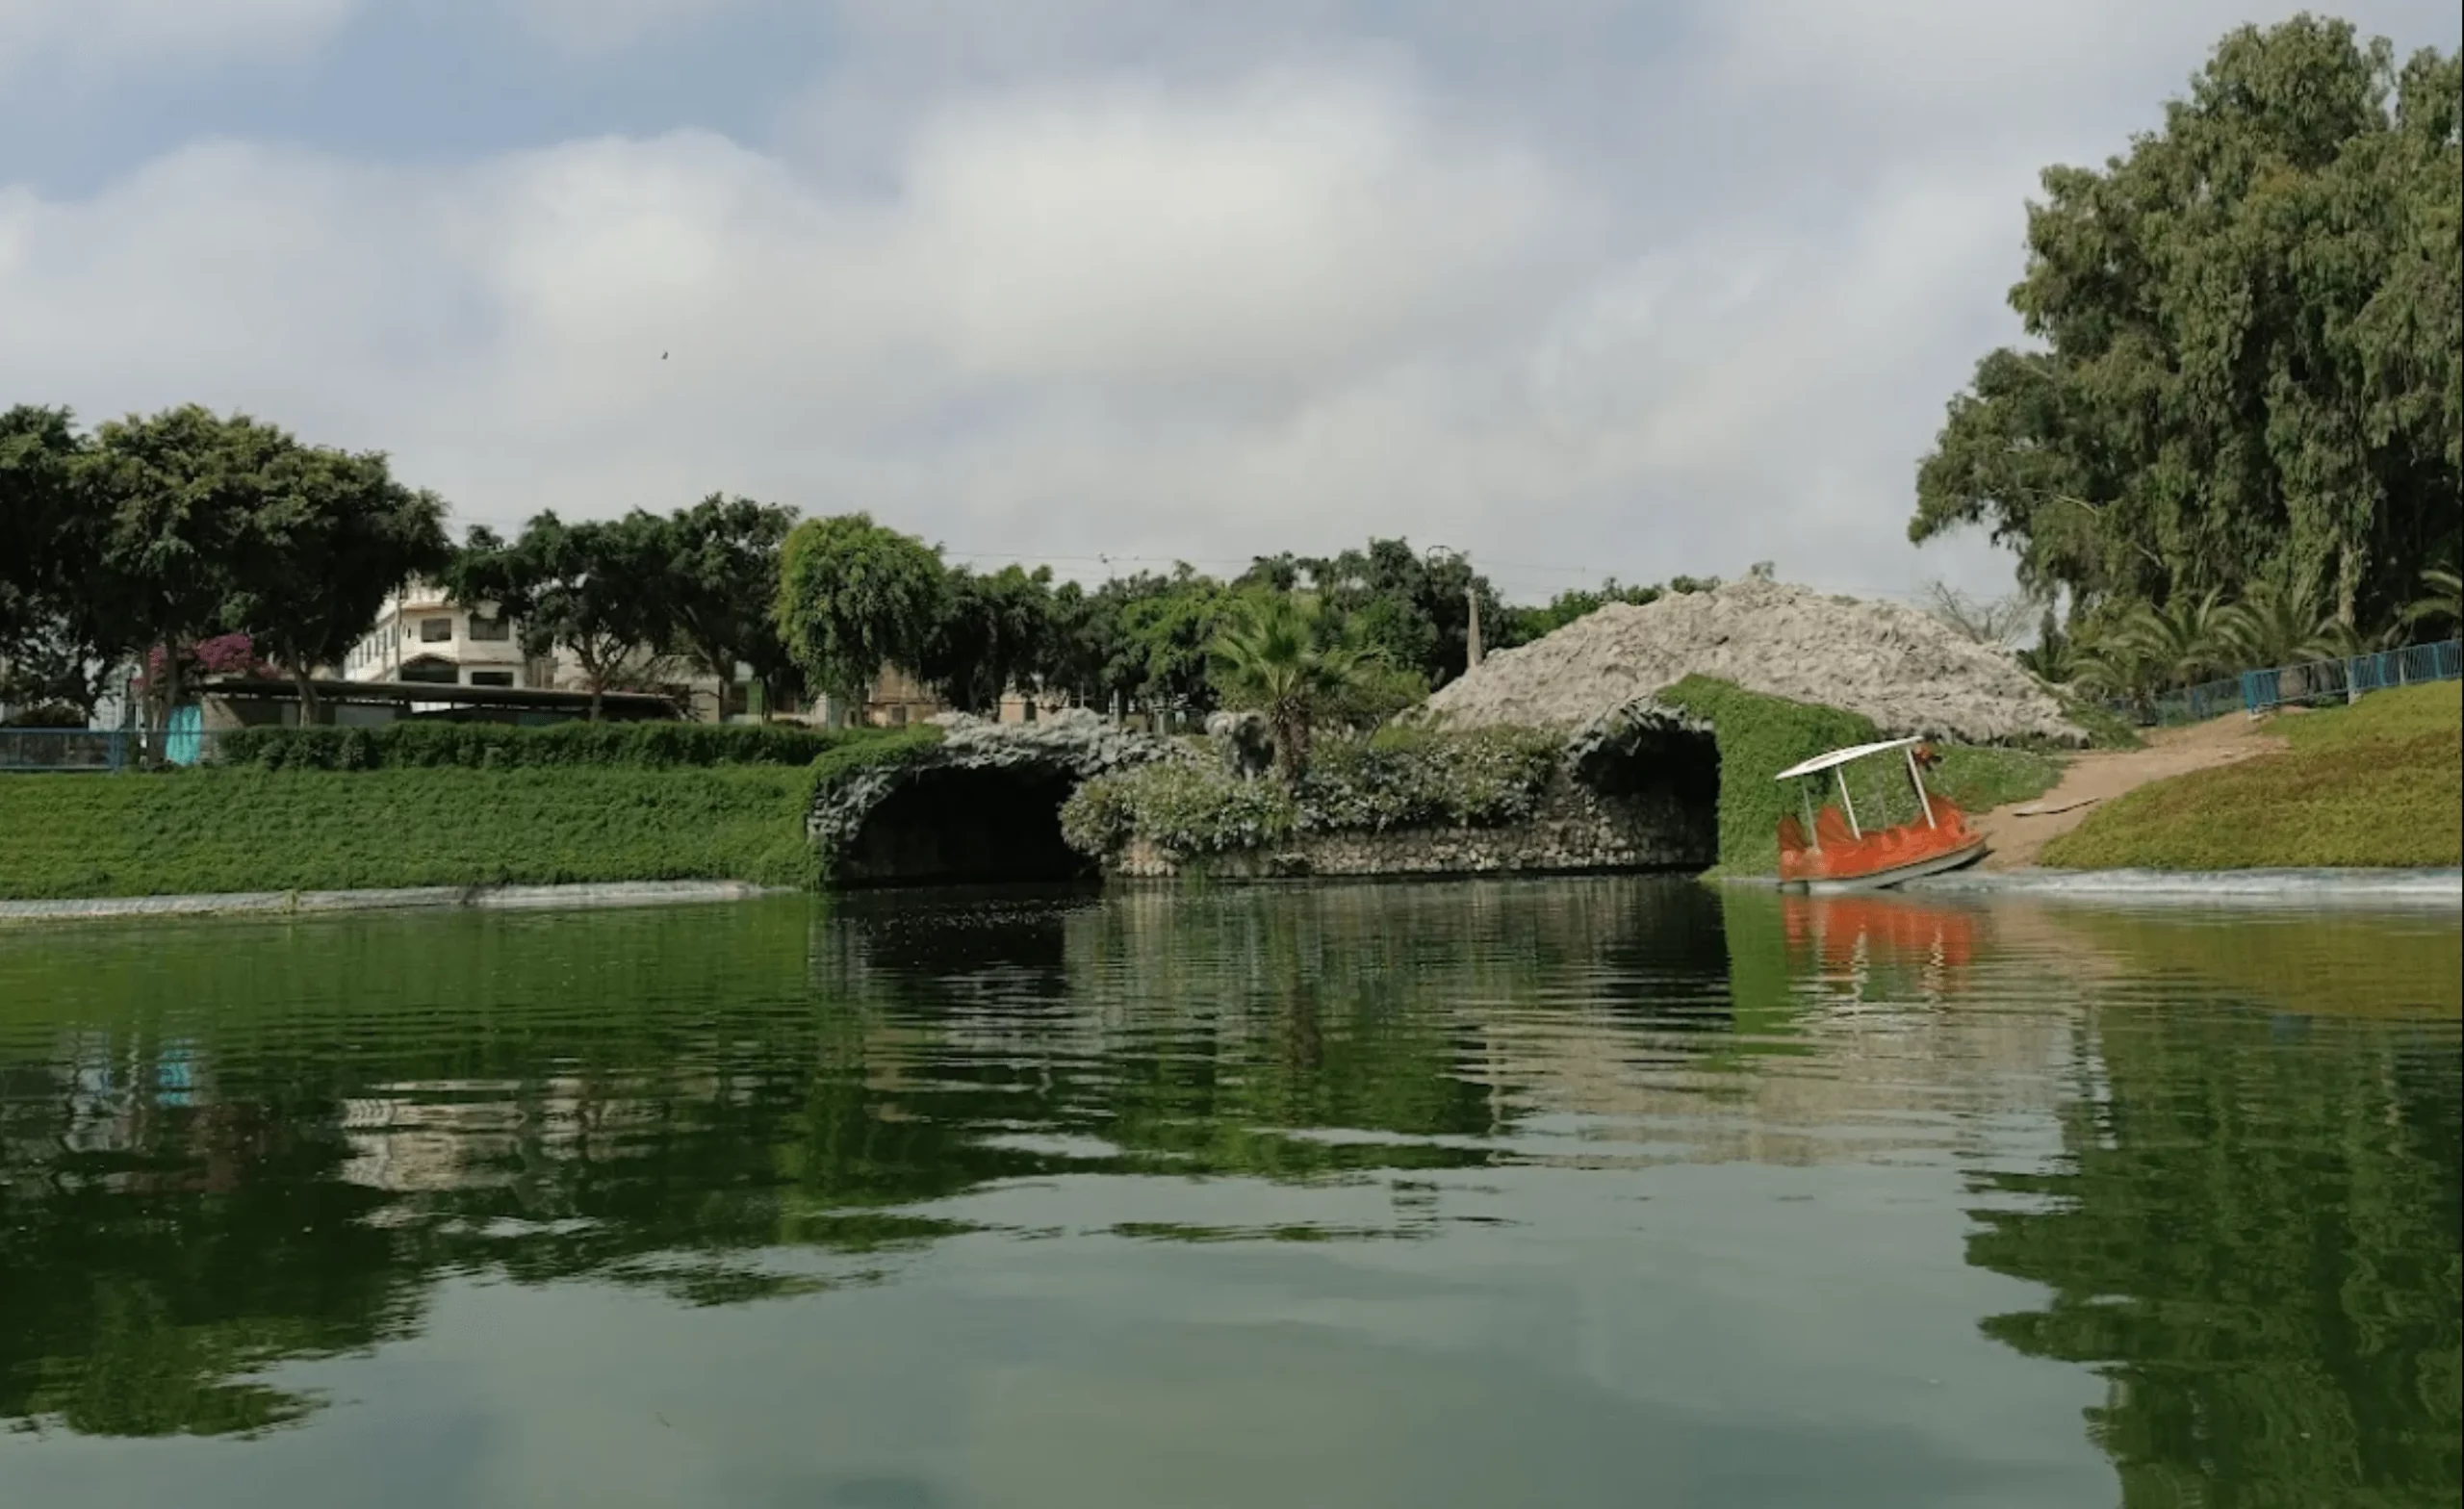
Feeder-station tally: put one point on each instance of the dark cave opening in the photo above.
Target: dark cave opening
(1668, 770)
(960, 827)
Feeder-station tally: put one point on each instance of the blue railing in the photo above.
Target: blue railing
(104, 750)
(2197, 703)
(2323, 680)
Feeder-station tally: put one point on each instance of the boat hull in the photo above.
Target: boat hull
(1891, 875)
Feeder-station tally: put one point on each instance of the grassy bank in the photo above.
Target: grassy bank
(1759, 737)
(247, 828)
(2376, 784)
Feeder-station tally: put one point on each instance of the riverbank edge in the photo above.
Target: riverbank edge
(2314, 886)
(422, 898)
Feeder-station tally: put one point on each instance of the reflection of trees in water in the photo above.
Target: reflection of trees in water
(258, 1147)
(2254, 1236)
(245, 1146)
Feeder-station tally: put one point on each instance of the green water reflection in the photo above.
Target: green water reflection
(2219, 1156)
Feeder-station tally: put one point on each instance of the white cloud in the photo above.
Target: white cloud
(606, 25)
(1182, 309)
(91, 35)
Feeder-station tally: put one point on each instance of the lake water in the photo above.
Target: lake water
(1583, 1192)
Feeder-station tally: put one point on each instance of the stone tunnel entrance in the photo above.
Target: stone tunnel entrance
(1663, 777)
(955, 826)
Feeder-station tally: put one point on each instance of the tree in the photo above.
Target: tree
(1170, 633)
(2143, 651)
(177, 496)
(992, 636)
(853, 596)
(723, 564)
(2273, 626)
(329, 535)
(599, 590)
(1985, 621)
(1278, 658)
(1523, 625)
(1414, 607)
(2249, 369)
(63, 632)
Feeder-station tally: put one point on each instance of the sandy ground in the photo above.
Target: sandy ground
(2018, 833)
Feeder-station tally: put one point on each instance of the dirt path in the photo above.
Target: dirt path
(2017, 834)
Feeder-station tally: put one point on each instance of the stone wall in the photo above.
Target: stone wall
(1576, 828)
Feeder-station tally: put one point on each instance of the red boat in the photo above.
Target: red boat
(1832, 851)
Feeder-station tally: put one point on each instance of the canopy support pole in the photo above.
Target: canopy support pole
(1841, 771)
(1918, 777)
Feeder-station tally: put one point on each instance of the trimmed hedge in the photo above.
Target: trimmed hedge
(252, 830)
(497, 746)
(1403, 778)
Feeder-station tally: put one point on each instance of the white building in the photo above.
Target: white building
(420, 635)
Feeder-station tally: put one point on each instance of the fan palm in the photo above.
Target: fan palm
(1276, 656)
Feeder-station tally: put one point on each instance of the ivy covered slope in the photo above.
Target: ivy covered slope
(418, 804)
(1400, 778)
(247, 828)
(2376, 784)
(1759, 737)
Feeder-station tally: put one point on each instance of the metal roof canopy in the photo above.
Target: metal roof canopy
(1822, 762)
(445, 694)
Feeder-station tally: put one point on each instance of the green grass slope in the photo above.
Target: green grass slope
(2377, 784)
(254, 830)
(1759, 737)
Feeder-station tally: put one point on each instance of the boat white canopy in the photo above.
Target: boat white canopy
(1823, 762)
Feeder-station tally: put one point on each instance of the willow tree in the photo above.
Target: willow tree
(2246, 363)
(854, 596)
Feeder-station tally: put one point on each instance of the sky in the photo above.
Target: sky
(1579, 287)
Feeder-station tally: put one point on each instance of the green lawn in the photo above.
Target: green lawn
(1980, 776)
(252, 830)
(2380, 782)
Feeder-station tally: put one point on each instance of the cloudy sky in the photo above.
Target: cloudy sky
(1580, 287)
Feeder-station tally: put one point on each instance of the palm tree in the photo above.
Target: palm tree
(1276, 657)
(2186, 641)
(2445, 600)
(2273, 626)
(2149, 650)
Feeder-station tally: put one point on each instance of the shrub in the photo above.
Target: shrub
(1416, 778)
(492, 746)
(1401, 779)
(1181, 807)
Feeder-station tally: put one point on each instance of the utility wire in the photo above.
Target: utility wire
(1105, 559)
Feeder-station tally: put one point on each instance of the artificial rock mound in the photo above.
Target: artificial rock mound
(1901, 668)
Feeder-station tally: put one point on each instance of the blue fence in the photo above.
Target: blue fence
(2325, 681)
(105, 749)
